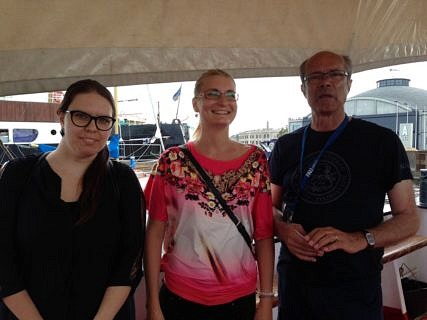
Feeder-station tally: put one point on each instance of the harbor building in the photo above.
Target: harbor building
(395, 105)
(257, 136)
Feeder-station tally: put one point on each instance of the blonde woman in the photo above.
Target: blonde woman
(209, 269)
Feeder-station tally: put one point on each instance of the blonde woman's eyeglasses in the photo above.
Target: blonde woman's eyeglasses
(215, 94)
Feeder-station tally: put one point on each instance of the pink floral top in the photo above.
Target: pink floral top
(206, 259)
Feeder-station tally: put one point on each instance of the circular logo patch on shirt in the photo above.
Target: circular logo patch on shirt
(329, 181)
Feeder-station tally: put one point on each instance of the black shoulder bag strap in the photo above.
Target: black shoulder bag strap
(240, 227)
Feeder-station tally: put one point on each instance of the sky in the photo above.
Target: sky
(262, 101)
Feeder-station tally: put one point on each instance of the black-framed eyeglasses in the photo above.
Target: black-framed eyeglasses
(82, 119)
(215, 94)
(317, 77)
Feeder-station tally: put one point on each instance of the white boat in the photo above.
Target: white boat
(29, 132)
(142, 142)
(18, 139)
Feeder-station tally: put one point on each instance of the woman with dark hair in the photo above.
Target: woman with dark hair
(210, 271)
(72, 222)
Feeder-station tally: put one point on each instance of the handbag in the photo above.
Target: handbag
(202, 173)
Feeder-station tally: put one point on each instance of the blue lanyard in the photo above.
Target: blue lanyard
(304, 178)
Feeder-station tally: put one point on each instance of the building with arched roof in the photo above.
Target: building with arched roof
(395, 105)
(392, 104)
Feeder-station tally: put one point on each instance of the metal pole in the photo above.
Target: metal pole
(407, 114)
(416, 127)
(397, 106)
(158, 127)
(116, 124)
(179, 100)
(6, 151)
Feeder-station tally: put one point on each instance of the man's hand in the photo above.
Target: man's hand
(295, 238)
(328, 239)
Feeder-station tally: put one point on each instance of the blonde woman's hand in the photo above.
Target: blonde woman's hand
(264, 310)
(154, 314)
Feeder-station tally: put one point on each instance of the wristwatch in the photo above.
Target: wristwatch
(369, 238)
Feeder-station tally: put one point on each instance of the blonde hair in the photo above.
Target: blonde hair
(197, 88)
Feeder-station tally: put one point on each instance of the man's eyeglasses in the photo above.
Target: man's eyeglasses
(82, 119)
(317, 77)
(215, 94)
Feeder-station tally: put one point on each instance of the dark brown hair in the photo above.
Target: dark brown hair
(94, 177)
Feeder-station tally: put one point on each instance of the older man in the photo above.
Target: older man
(330, 178)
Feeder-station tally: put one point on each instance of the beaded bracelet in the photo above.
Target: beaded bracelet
(262, 294)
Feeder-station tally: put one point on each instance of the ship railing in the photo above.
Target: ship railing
(141, 151)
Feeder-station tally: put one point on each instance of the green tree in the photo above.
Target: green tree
(283, 131)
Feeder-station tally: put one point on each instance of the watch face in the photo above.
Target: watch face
(370, 238)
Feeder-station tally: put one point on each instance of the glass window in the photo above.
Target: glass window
(4, 135)
(25, 135)
(385, 107)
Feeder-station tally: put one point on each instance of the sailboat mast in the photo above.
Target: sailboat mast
(158, 127)
(116, 110)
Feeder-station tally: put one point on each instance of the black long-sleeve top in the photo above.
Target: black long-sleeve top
(65, 267)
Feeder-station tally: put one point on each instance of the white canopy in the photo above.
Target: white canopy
(47, 44)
